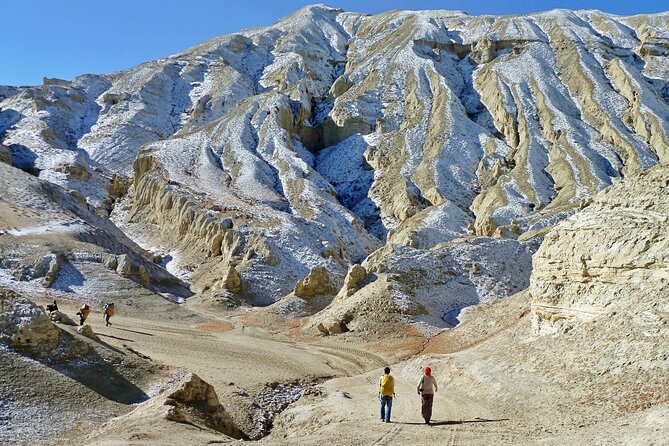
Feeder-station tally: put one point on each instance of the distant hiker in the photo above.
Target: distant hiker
(83, 313)
(386, 394)
(109, 312)
(52, 307)
(427, 387)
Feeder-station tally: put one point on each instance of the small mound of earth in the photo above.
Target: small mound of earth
(189, 409)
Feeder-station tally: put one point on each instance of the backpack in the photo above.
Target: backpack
(109, 309)
(387, 387)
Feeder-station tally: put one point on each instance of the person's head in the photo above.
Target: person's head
(386, 370)
(428, 371)
(54, 301)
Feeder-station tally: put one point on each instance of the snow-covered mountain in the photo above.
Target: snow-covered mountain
(253, 160)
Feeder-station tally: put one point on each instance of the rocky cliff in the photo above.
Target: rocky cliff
(250, 160)
(609, 260)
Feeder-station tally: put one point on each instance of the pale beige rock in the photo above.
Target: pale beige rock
(610, 258)
(191, 401)
(87, 330)
(317, 282)
(25, 325)
(233, 281)
(129, 267)
(61, 318)
(336, 327)
(354, 277)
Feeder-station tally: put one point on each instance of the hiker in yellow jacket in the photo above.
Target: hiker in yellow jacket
(386, 394)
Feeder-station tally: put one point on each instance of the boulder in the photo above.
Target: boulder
(87, 330)
(316, 283)
(191, 401)
(61, 318)
(233, 282)
(356, 274)
(128, 266)
(336, 327)
(322, 329)
(48, 267)
(25, 325)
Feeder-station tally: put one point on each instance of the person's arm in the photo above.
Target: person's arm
(435, 384)
(419, 389)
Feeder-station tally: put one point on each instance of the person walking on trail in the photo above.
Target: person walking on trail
(83, 313)
(108, 313)
(427, 387)
(386, 394)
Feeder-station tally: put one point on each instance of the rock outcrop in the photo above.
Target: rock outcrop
(57, 240)
(25, 325)
(317, 282)
(610, 258)
(354, 278)
(190, 401)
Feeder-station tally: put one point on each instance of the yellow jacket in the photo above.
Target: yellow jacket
(387, 385)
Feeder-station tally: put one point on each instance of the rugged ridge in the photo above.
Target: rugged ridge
(250, 160)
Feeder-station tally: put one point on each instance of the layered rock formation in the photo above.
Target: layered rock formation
(610, 259)
(254, 158)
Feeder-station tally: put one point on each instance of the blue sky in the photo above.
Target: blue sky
(70, 37)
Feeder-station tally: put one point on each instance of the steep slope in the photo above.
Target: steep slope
(256, 157)
(51, 241)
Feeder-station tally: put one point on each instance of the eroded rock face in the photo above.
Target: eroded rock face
(191, 401)
(317, 282)
(356, 274)
(610, 258)
(233, 281)
(313, 142)
(25, 325)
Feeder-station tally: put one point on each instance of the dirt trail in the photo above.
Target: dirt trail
(354, 418)
(250, 357)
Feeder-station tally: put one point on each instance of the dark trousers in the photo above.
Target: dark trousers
(426, 407)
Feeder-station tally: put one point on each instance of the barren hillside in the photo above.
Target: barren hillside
(489, 190)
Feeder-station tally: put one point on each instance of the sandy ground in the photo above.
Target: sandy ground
(488, 393)
(225, 351)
